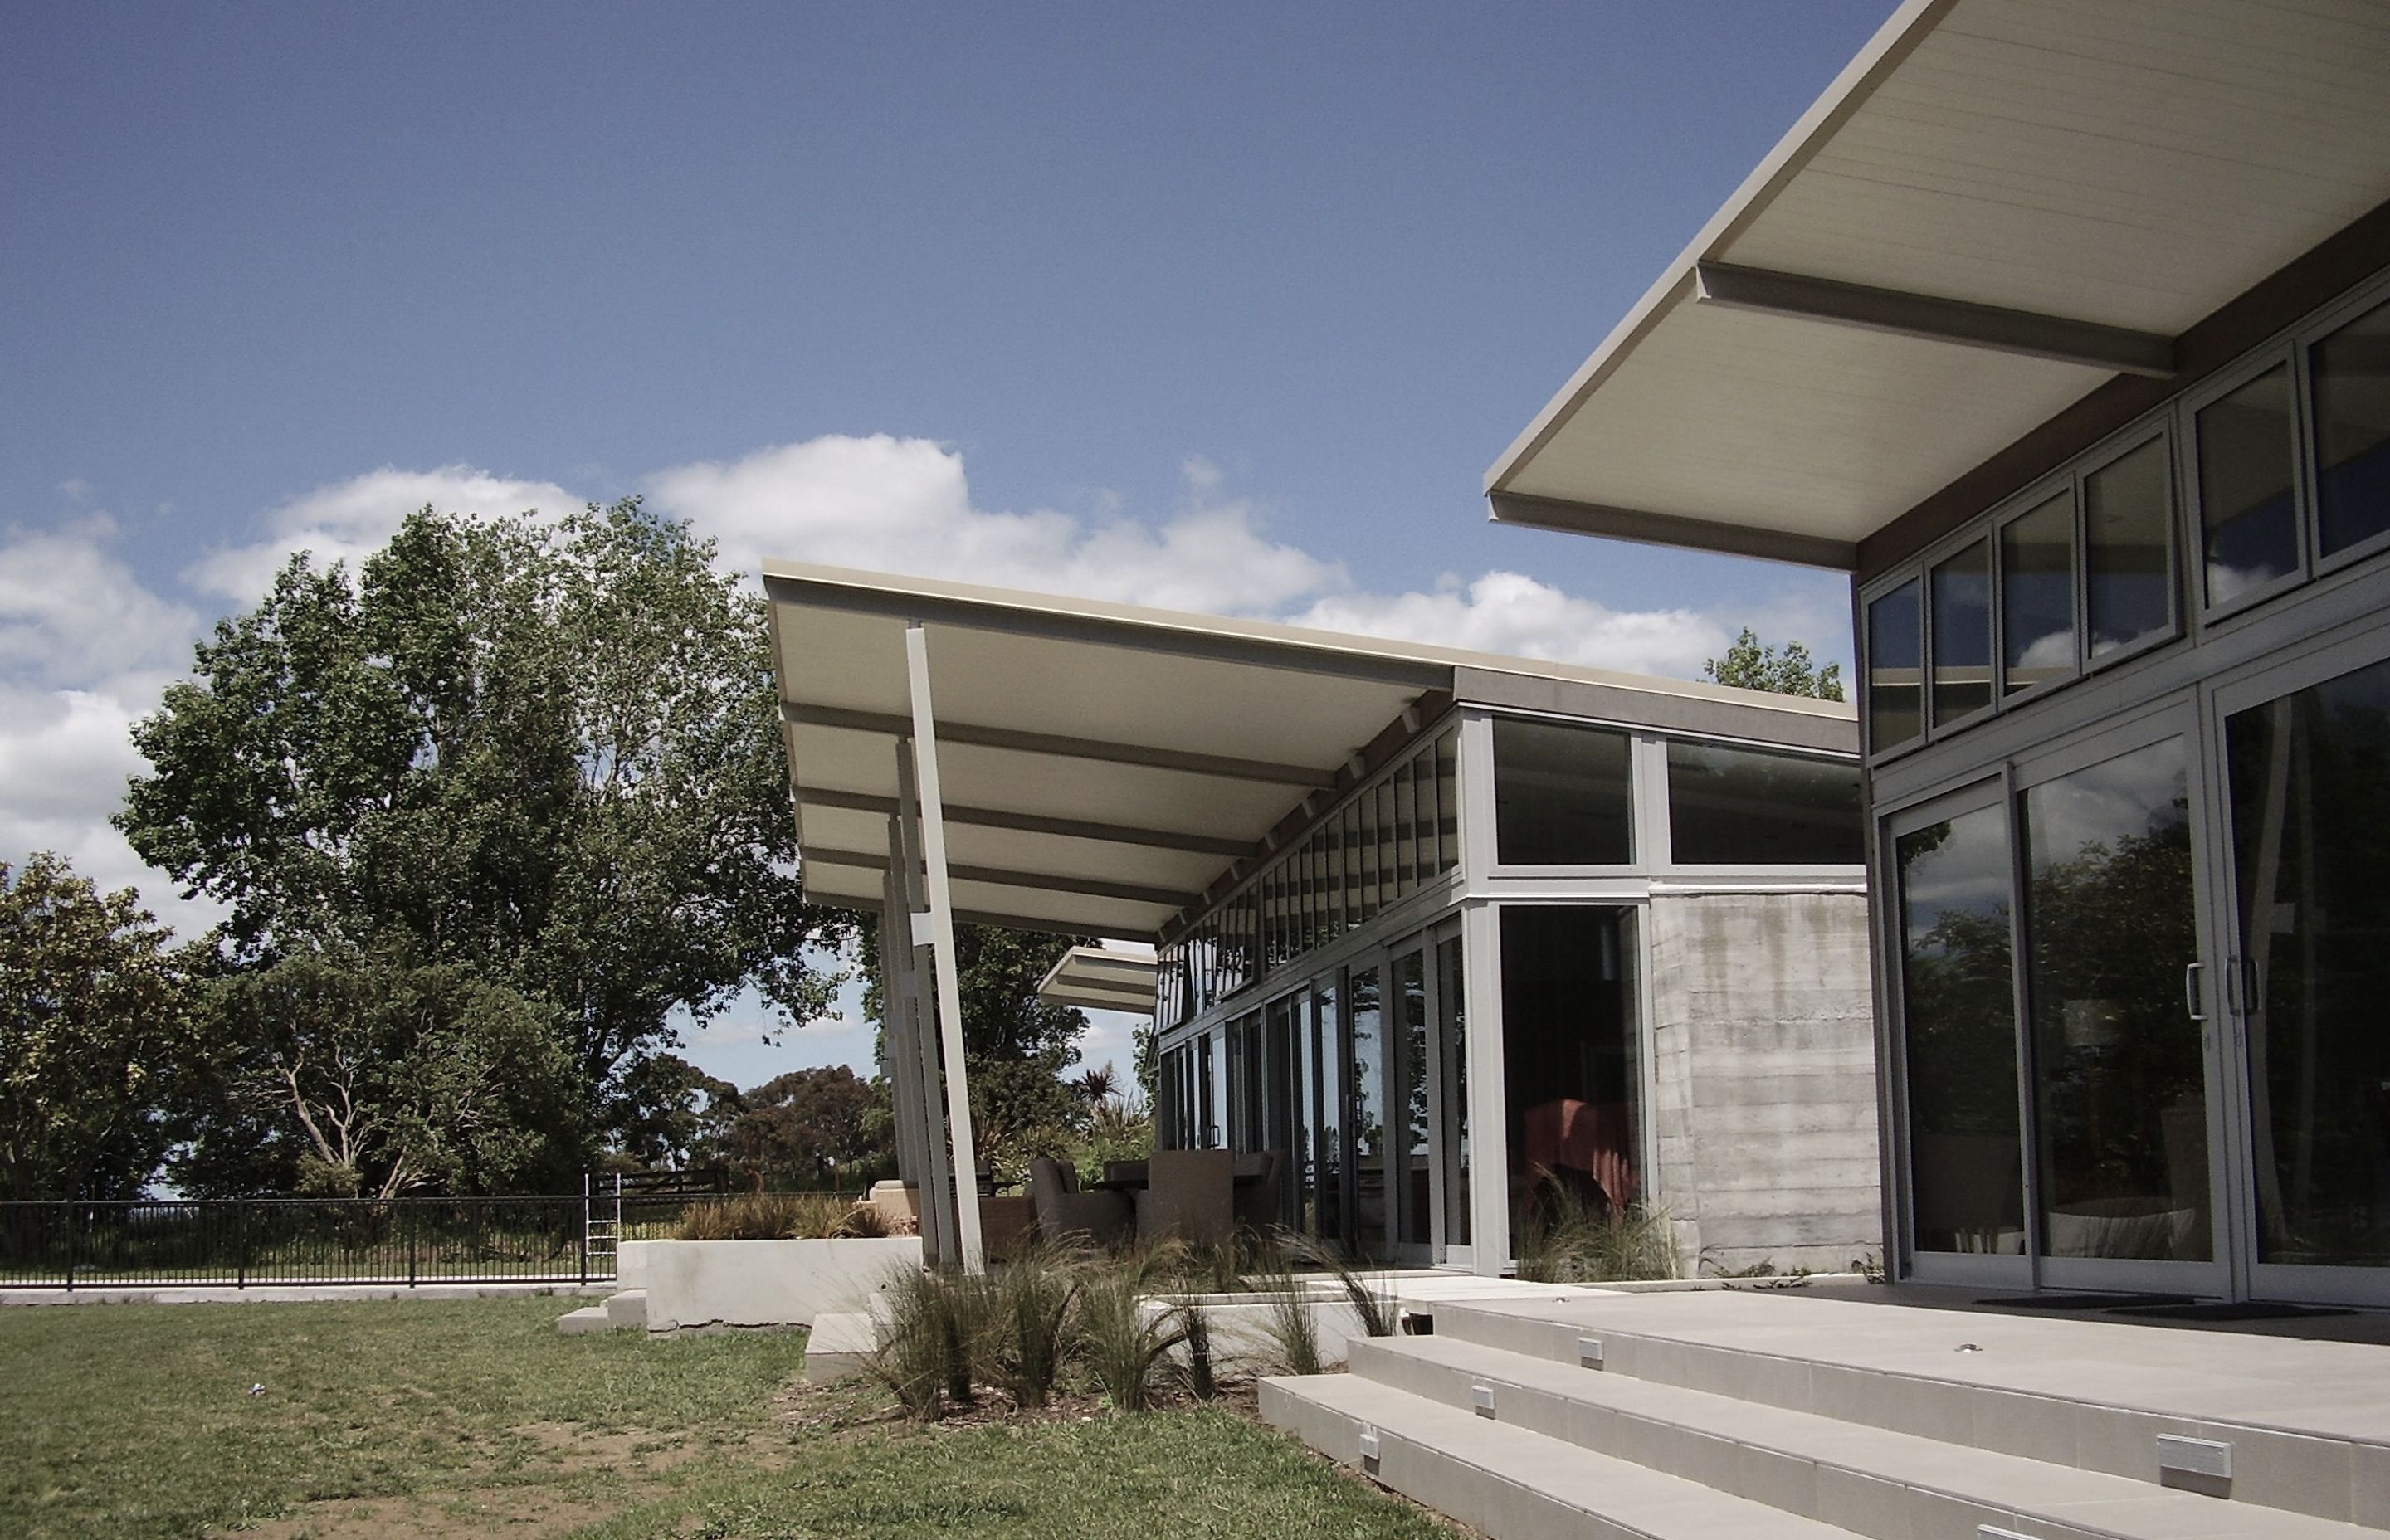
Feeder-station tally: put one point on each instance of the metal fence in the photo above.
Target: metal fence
(249, 1241)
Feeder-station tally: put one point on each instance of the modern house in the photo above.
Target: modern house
(2065, 333)
(1455, 932)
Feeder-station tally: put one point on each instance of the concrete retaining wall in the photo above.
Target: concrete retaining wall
(1765, 1058)
(756, 1283)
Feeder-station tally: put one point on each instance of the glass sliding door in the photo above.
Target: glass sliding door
(1452, 1096)
(1408, 1099)
(1365, 1015)
(1332, 1201)
(1958, 1039)
(2307, 759)
(2117, 1001)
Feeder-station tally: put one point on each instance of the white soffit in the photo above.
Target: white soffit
(1102, 764)
(2130, 165)
(1097, 978)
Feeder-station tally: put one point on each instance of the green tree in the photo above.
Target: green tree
(672, 1114)
(375, 1076)
(809, 1128)
(545, 751)
(93, 1027)
(1016, 1048)
(1748, 665)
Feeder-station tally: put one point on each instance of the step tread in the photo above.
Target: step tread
(2064, 1493)
(1638, 1499)
(2319, 1389)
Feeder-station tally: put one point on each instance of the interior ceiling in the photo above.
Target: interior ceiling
(2131, 165)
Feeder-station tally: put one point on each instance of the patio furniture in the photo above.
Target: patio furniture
(1260, 1190)
(1062, 1209)
(1188, 1193)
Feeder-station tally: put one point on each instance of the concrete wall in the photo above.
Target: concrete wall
(699, 1283)
(1765, 1061)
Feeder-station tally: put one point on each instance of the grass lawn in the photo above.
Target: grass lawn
(433, 1419)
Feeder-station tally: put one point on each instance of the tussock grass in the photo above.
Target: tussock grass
(780, 1216)
(1581, 1239)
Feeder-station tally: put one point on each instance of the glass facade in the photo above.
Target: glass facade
(1561, 795)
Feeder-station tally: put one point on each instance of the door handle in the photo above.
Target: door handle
(2191, 974)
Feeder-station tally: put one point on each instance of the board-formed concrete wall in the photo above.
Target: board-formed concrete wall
(1764, 1054)
(751, 1283)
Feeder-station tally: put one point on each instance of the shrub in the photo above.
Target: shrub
(780, 1216)
(1029, 1327)
(1583, 1241)
(1374, 1308)
(1291, 1326)
(1123, 1344)
(910, 1356)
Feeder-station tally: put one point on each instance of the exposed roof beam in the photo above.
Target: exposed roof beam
(1004, 877)
(1727, 286)
(1078, 625)
(1672, 529)
(1035, 823)
(1013, 738)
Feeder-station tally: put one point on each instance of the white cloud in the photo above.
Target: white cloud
(904, 506)
(1510, 612)
(347, 519)
(71, 613)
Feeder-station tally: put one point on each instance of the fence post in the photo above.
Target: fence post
(413, 1217)
(584, 1229)
(240, 1242)
(72, 1229)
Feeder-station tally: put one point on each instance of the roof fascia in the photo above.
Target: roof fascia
(1223, 645)
(1570, 517)
(1033, 823)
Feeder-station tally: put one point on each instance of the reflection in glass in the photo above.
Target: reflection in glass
(2129, 551)
(1560, 795)
(1369, 1117)
(1283, 1126)
(2038, 595)
(1329, 1102)
(2352, 413)
(1391, 885)
(2246, 512)
(1423, 792)
(1207, 1124)
(1350, 857)
(1755, 808)
(1959, 1035)
(1453, 1055)
(1571, 1080)
(1896, 645)
(1405, 831)
(1963, 632)
(2119, 1079)
(2309, 848)
(1411, 1034)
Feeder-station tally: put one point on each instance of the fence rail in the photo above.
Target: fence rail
(244, 1242)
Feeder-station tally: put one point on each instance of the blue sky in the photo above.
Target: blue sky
(1224, 306)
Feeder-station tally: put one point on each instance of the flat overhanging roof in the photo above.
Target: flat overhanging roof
(1096, 978)
(1998, 206)
(1101, 764)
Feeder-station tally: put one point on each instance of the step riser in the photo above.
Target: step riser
(2323, 1477)
(1484, 1501)
(1848, 1498)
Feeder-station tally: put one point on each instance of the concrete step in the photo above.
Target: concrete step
(2295, 1425)
(840, 1345)
(628, 1307)
(589, 1317)
(1507, 1481)
(1872, 1480)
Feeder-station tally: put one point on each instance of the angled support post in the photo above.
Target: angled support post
(941, 1240)
(941, 924)
(898, 1045)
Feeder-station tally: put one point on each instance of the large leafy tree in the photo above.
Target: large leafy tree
(545, 750)
(93, 1027)
(374, 1076)
(1751, 666)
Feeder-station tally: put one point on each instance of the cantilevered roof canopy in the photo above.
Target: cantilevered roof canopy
(1998, 206)
(1101, 764)
(1096, 978)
